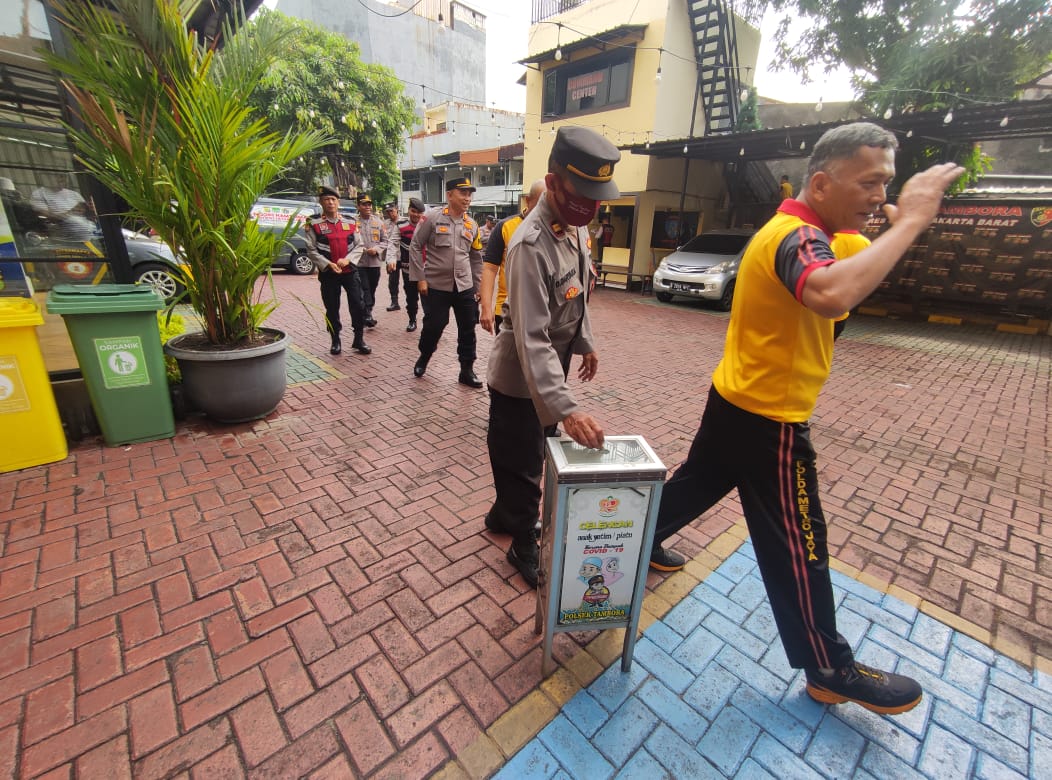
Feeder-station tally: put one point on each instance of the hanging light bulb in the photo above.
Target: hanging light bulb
(311, 113)
(553, 129)
(684, 148)
(803, 145)
(558, 43)
(887, 113)
(647, 143)
(909, 134)
(744, 94)
(453, 128)
(741, 152)
(1004, 122)
(373, 123)
(818, 106)
(948, 118)
(657, 76)
(339, 85)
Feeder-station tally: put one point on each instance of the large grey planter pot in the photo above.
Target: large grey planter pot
(233, 386)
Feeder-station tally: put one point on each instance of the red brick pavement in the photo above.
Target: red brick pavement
(313, 595)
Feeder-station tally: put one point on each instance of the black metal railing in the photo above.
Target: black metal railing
(545, 9)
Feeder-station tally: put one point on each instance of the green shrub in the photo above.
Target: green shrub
(170, 326)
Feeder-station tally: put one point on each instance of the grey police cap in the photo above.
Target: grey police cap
(589, 159)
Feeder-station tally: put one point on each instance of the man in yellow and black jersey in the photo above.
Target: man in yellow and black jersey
(754, 433)
(450, 278)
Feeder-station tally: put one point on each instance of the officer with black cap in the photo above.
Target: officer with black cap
(451, 277)
(393, 224)
(331, 245)
(374, 240)
(544, 323)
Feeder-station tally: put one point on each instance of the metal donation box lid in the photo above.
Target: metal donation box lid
(622, 459)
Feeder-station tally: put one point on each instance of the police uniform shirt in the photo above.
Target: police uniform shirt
(372, 233)
(332, 239)
(545, 318)
(454, 252)
(393, 228)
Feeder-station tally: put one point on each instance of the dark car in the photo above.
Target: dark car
(705, 267)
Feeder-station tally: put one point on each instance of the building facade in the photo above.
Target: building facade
(639, 71)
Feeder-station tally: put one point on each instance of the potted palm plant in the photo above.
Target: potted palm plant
(164, 121)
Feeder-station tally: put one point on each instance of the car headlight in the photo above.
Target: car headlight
(721, 268)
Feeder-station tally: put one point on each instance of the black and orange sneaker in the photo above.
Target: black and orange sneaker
(884, 692)
(666, 560)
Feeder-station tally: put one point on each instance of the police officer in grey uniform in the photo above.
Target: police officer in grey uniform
(544, 323)
(372, 236)
(450, 279)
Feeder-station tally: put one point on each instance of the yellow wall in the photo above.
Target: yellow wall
(658, 110)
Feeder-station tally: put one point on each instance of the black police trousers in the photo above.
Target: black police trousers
(773, 466)
(331, 285)
(369, 279)
(437, 305)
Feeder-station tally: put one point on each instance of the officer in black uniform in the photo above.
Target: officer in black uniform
(331, 245)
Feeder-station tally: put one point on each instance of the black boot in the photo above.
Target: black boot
(421, 365)
(467, 376)
(394, 306)
(411, 326)
(336, 347)
(359, 344)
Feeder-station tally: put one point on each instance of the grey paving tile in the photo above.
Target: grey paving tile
(573, 750)
(750, 770)
(874, 613)
(626, 730)
(966, 672)
(975, 733)
(663, 666)
(780, 761)
(945, 756)
(989, 768)
(673, 712)
(1008, 715)
(772, 718)
(1039, 699)
(888, 733)
(680, 759)
(749, 593)
(613, 686)
(880, 763)
(686, 616)
(728, 740)
(643, 766)
(974, 648)
(698, 649)
(903, 648)
(836, 749)
(1040, 754)
(731, 632)
(585, 713)
(744, 668)
(938, 688)
(664, 637)
(711, 690)
(718, 601)
(930, 634)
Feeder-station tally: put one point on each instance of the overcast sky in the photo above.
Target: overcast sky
(507, 39)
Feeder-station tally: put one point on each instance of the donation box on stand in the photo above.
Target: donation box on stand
(600, 507)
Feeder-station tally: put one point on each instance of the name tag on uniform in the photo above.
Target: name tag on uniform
(326, 229)
(376, 235)
(441, 228)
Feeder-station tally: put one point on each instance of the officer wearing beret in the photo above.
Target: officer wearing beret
(451, 277)
(544, 323)
(373, 238)
(331, 245)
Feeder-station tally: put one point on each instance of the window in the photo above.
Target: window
(410, 181)
(590, 85)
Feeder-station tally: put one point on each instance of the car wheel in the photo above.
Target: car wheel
(301, 264)
(728, 296)
(664, 297)
(159, 277)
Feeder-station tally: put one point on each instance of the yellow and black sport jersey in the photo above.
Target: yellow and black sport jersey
(778, 352)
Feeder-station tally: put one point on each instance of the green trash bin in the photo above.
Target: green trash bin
(113, 328)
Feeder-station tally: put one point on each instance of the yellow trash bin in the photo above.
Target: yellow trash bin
(30, 427)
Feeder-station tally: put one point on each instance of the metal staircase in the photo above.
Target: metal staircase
(716, 50)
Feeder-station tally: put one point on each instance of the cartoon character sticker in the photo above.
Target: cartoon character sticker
(589, 568)
(597, 596)
(612, 569)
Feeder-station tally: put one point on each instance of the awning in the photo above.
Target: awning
(626, 33)
(1018, 119)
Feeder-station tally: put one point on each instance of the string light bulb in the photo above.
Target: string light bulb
(741, 152)
(657, 76)
(684, 148)
(887, 113)
(558, 42)
(744, 94)
(818, 106)
(1004, 122)
(948, 118)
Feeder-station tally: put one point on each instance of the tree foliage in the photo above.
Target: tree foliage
(921, 54)
(319, 82)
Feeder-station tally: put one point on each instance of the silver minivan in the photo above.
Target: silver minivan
(705, 267)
